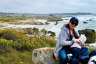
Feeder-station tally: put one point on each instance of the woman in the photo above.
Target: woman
(64, 42)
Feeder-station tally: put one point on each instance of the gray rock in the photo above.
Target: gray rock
(43, 56)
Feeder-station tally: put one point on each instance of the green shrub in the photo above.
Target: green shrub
(20, 41)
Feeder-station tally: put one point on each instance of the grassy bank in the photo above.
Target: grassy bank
(16, 46)
(12, 56)
(12, 18)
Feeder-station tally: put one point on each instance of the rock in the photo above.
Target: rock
(85, 22)
(92, 45)
(90, 34)
(43, 56)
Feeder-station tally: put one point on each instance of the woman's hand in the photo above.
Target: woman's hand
(77, 41)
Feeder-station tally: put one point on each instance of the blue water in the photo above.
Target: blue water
(90, 22)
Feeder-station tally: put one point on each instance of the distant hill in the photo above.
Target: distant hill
(30, 14)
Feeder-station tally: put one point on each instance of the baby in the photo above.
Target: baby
(82, 39)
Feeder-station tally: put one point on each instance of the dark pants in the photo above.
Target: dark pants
(63, 59)
(84, 55)
(75, 58)
(79, 55)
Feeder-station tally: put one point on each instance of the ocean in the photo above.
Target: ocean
(87, 22)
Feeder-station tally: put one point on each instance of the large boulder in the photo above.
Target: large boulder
(90, 34)
(43, 56)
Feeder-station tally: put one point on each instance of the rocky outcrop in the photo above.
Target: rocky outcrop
(43, 56)
(90, 34)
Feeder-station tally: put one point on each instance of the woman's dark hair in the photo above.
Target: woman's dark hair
(74, 21)
(74, 32)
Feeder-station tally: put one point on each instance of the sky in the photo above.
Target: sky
(48, 6)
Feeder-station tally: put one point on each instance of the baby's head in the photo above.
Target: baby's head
(83, 38)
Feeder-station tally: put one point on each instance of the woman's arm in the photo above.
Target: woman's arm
(63, 38)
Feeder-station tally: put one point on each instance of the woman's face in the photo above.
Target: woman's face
(71, 26)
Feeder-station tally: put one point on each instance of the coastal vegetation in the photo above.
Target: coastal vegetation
(16, 46)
